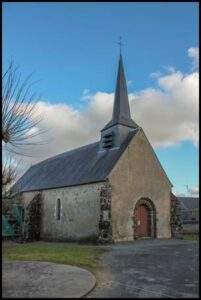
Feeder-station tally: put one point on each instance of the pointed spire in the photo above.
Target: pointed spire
(121, 109)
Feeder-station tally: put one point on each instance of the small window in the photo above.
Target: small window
(58, 211)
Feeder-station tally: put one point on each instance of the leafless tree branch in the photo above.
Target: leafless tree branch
(20, 118)
(9, 172)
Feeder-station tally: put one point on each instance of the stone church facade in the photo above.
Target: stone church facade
(112, 190)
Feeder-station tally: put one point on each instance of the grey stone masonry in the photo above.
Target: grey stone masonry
(105, 226)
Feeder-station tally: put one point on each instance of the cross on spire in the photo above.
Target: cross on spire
(120, 43)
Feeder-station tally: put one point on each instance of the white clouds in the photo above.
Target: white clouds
(169, 69)
(178, 194)
(194, 54)
(33, 131)
(85, 95)
(155, 74)
(193, 192)
(170, 81)
(168, 114)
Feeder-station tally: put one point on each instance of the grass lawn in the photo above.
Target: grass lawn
(191, 236)
(63, 253)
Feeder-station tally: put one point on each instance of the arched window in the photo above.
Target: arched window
(58, 210)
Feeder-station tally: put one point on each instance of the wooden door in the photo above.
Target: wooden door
(142, 221)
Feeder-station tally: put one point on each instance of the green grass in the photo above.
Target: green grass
(62, 253)
(191, 236)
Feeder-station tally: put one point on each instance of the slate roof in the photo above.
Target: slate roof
(75, 167)
(189, 202)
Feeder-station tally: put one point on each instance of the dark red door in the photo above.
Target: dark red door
(142, 221)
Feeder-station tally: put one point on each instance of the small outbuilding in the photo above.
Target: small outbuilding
(189, 214)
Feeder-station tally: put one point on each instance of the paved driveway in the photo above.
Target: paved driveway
(33, 279)
(149, 268)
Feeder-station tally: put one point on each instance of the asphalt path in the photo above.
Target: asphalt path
(149, 269)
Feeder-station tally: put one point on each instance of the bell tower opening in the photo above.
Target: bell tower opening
(115, 132)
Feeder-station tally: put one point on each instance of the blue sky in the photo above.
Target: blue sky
(72, 47)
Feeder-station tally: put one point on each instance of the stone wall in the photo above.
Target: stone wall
(175, 220)
(80, 212)
(105, 222)
(31, 228)
(138, 174)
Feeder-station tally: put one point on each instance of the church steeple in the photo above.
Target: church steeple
(114, 133)
(121, 109)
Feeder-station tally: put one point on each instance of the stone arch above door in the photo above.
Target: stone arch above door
(152, 215)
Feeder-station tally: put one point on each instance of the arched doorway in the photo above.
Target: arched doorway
(144, 219)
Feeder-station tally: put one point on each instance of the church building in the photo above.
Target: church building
(112, 190)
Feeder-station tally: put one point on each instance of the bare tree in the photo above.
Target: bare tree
(20, 120)
(10, 173)
(19, 112)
